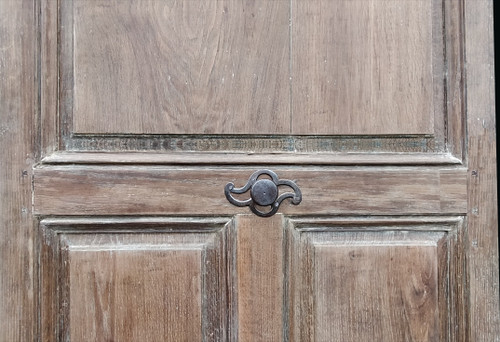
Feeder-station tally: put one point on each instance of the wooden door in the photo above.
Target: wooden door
(123, 121)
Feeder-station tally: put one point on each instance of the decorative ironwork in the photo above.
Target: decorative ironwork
(264, 192)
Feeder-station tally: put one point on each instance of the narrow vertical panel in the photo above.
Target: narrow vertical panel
(49, 22)
(259, 278)
(48, 292)
(482, 248)
(373, 286)
(178, 66)
(455, 75)
(18, 98)
(362, 67)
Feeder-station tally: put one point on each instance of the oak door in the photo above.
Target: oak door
(379, 111)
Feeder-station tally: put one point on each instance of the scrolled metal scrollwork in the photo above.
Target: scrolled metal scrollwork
(263, 192)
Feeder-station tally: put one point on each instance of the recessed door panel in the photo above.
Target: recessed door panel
(132, 279)
(260, 76)
(363, 280)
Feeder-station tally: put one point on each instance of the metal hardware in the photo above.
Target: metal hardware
(263, 192)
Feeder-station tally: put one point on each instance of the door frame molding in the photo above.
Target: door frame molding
(24, 110)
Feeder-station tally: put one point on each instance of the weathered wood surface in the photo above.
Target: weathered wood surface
(126, 279)
(359, 286)
(252, 158)
(50, 133)
(455, 127)
(362, 67)
(85, 93)
(482, 249)
(157, 190)
(17, 137)
(259, 278)
(177, 66)
(376, 278)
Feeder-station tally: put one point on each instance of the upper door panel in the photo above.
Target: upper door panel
(259, 76)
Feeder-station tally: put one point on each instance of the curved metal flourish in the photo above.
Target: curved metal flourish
(296, 195)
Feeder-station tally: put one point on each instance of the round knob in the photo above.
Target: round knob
(264, 192)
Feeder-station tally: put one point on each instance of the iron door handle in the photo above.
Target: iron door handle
(264, 192)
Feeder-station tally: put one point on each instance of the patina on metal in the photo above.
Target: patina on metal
(264, 192)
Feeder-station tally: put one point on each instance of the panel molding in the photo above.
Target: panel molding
(253, 143)
(221, 158)
(442, 223)
(445, 233)
(56, 103)
(128, 238)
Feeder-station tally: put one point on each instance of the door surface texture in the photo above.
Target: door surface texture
(361, 131)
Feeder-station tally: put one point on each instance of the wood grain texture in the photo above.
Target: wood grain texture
(362, 67)
(360, 286)
(17, 125)
(378, 234)
(251, 158)
(178, 66)
(259, 273)
(156, 190)
(482, 257)
(455, 81)
(160, 289)
(50, 133)
(103, 282)
(111, 54)
(92, 58)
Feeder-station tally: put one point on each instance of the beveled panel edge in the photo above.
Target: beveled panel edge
(124, 224)
(444, 223)
(193, 158)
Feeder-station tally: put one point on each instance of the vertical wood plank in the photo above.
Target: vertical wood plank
(362, 67)
(17, 107)
(49, 116)
(483, 211)
(259, 282)
(455, 89)
(48, 296)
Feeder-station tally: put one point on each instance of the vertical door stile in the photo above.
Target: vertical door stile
(259, 278)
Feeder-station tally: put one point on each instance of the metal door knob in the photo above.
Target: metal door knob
(264, 192)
